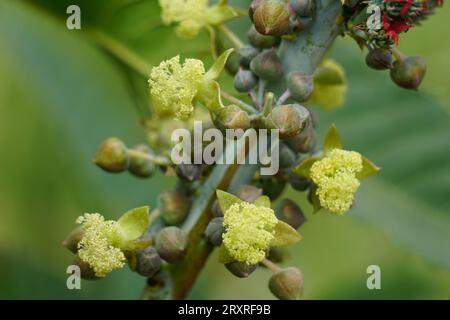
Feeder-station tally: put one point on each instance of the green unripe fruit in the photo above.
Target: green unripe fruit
(112, 156)
(171, 244)
(289, 119)
(261, 41)
(287, 157)
(287, 284)
(232, 117)
(148, 262)
(246, 54)
(273, 186)
(140, 166)
(272, 17)
(173, 206)
(305, 142)
(241, 269)
(214, 231)
(379, 59)
(244, 81)
(289, 212)
(267, 65)
(297, 182)
(300, 86)
(216, 210)
(409, 72)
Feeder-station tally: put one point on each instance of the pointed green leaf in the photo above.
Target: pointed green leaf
(263, 201)
(224, 256)
(332, 139)
(209, 95)
(226, 200)
(218, 66)
(133, 223)
(285, 235)
(304, 168)
(136, 245)
(369, 169)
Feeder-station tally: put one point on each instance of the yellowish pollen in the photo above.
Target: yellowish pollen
(249, 231)
(95, 248)
(189, 14)
(174, 85)
(335, 177)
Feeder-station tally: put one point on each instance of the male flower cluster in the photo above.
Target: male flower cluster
(174, 85)
(335, 177)
(249, 231)
(96, 247)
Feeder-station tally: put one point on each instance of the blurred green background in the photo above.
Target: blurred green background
(60, 95)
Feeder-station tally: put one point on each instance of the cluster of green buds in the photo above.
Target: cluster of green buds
(377, 25)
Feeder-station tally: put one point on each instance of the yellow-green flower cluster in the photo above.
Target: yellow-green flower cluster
(335, 177)
(189, 14)
(95, 248)
(174, 85)
(249, 231)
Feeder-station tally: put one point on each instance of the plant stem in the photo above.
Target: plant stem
(397, 53)
(271, 266)
(234, 39)
(241, 104)
(286, 95)
(158, 160)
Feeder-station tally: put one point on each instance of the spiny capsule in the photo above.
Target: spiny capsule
(289, 119)
(273, 17)
(300, 86)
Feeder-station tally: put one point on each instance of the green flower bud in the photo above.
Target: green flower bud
(287, 284)
(112, 156)
(409, 72)
(71, 242)
(267, 65)
(232, 117)
(86, 272)
(300, 86)
(304, 8)
(289, 212)
(247, 54)
(287, 157)
(248, 193)
(171, 244)
(214, 231)
(241, 269)
(297, 182)
(289, 119)
(261, 41)
(273, 187)
(272, 17)
(173, 206)
(244, 81)
(379, 59)
(189, 172)
(148, 262)
(216, 210)
(139, 166)
(305, 142)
